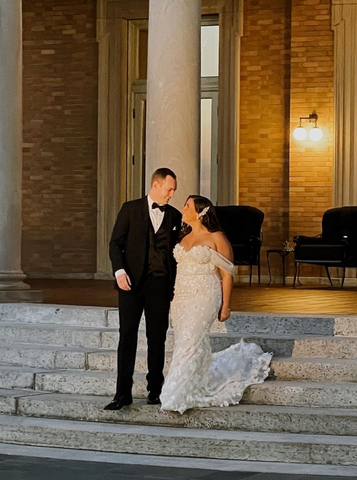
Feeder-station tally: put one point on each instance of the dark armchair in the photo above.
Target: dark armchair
(336, 246)
(242, 225)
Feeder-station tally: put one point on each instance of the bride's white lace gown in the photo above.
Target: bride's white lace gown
(198, 378)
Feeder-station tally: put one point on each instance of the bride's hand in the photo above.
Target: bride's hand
(224, 313)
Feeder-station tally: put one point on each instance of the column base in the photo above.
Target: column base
(21, 296)
(13, 281)
(14, 290)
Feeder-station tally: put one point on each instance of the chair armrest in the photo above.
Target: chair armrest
(303, 240)
(320, 240)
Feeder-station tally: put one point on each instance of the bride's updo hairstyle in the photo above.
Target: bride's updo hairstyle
(209, 219)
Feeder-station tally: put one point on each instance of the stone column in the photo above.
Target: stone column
(344, 23)
(173, 92)
(11, 276)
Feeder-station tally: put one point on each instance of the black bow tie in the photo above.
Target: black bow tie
(161, 207)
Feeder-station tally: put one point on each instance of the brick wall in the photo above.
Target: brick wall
(265, 86)
(286, 72)
(311, 163)
(60, 136)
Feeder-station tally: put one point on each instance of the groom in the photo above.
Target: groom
(143, 238)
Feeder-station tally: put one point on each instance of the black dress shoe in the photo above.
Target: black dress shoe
(119, 402)
(154, 398)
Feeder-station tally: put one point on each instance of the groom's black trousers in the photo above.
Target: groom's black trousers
(152, 297)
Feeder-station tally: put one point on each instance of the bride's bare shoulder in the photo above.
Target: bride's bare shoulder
(219, 237)
(222, 244)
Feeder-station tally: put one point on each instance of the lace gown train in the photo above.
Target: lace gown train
(198, 378)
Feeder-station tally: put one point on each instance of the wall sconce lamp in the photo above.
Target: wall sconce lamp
(315, 134)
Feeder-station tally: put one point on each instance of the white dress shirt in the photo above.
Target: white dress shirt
(156, 217)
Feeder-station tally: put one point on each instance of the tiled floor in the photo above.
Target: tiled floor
(27, 468)
(303, 299)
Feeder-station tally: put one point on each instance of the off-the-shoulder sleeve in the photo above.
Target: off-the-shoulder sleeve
(222, 262)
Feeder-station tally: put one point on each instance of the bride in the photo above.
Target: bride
(198, 378)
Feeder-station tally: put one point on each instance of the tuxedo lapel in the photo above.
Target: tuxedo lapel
(169, 225)
(145, 214)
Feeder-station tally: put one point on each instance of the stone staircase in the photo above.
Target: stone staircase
(57, 370)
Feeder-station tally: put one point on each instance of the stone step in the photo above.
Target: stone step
(69, 335)
(258, 418)
(58, 314)
(107, 361)
(19, 377)
(184, 442)
(261, 324)
(44, 356)
(85, 383)
(303, 394)
(288, 393)
(54, 334)
(9, 400)
(110, 340)
(219, 341)
(293, 368)
(280, 345)
(105, 337)
(77, 358)
(294, 346)
(282, 324)
(244, 323)
(314, 369)
(326, 347)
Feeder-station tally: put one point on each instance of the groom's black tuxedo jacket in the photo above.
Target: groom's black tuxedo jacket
(129, 244)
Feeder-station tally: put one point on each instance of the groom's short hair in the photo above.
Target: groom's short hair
(161, 173)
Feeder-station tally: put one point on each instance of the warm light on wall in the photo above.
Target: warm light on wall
(300, 133)
(315, 134)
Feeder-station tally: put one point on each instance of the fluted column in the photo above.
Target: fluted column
(344, 23)
(11, 276)
(173, 92)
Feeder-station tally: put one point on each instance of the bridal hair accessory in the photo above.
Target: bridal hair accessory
(203, 213)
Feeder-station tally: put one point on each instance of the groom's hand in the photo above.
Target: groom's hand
(124, 282)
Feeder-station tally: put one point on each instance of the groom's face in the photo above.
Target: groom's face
(164, 190)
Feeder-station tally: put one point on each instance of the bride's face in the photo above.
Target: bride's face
(189, 213)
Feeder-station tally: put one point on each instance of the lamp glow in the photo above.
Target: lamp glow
(315, 134)
(300, 133)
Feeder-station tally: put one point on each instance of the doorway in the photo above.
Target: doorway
(209, 110)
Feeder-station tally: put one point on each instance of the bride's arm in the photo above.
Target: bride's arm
(225, 249)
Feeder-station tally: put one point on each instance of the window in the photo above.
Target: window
(209, 50)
